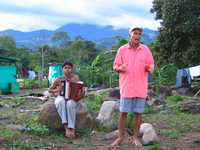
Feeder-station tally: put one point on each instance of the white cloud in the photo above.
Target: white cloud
(29, 15)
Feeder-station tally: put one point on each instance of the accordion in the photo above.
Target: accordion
(72, 90)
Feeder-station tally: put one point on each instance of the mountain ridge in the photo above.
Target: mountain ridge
(90, 32)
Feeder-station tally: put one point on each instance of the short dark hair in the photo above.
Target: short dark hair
(67, 63)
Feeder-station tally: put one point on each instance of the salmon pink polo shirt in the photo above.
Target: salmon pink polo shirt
(134, 81)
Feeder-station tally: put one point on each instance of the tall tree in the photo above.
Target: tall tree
(7, 45)
(179, 32)
(61, 38)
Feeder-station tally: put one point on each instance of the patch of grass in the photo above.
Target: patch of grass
(153, 147)
(35, 127)
(13, 102)
(105, 129)
(174, 99)
(129, 121)
(150, 110)
(24, 145)
(174, 102)
(29, 84)
(94, 102)
(84, 132)
(171, 133)
(7, 133)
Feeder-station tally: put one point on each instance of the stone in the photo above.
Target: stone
(115, 93)
(109, 110)
(192, 106)
(165, 91)
(50, 117)
(148, 133)
(153, 98)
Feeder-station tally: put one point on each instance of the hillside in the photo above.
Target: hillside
(103, 36)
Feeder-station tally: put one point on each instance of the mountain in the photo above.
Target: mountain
(104, 36)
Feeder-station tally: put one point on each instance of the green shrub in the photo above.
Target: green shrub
(35, 127)
(30, 84)
(174, 99)
(6, 133)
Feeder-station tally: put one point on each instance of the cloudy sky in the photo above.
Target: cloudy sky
(29, 15)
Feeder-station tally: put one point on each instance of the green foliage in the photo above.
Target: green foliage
(150, 110)
(174, 99)
(61, 38)
(153, 147)
(129, 122)
(175, 133)
(14, 102)
(7, 43)
(84, 132)
(94, 102)
(30, 84)
(170, 133)
(179, 32)
(7, 133)
(35, 127)
(165, 75)
(24, 145)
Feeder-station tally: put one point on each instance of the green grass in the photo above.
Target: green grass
(29, 84)
(35, 127)
(94, 102)
(7, 133)
(174, 99)
(12, 102)
(153, 147)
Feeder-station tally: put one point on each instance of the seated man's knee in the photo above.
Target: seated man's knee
(59, 101)
(71, 104)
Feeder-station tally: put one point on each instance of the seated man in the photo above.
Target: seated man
(66, 107)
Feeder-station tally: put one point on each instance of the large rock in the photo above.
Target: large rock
(148, 133)
(192, 106)
(108, 113)
(165, 91)
(115, 93)
(153, 98)
(49, 116)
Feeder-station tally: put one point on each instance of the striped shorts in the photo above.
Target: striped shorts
(135, 104)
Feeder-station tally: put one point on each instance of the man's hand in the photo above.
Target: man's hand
(149, 68)
(121, 68)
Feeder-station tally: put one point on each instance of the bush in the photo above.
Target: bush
(30, 84)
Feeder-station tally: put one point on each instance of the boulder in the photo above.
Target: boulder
(153, 98)
(165, 91)
(192, 106)
(108, 113)
(115, 93)
(148, 133)
(50, 117)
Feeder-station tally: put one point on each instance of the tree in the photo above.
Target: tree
(7, 45)
(61, 38)
(179, 32)
(81, 51)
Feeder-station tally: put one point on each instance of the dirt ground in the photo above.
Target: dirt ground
(13, 116)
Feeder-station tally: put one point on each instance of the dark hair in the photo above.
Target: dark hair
(67, 63)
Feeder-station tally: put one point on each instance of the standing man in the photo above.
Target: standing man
(133, 62)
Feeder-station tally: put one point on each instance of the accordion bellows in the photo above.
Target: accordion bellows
(72, 90)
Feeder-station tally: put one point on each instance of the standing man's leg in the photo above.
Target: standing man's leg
(71, 116)
(137, 123)
(138, 107)
(121, 129)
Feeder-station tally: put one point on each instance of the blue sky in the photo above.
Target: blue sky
(29, 15)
